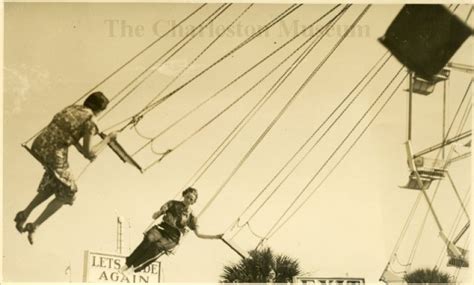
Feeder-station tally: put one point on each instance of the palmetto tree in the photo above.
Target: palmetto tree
(426, 275)
(262, 266)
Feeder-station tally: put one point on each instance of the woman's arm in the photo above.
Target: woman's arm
(89, 151)
(204, 236)
(79, 148)
(162, 210)
(158, 214)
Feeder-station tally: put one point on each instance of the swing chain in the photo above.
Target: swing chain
(165, 154)
(135, 120)
(236, 224)
(261, 242)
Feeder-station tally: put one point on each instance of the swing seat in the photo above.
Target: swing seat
(422, 87)
(432, 173)
(413, 183)
(390, 277)
(435, 172)
(39, 159)
(458, 261)
(426, 87)
(32, 153)
(417, 167)
(121, 152)
(244, 254)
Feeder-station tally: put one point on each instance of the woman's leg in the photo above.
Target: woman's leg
(65, 194)
(136, 257)
(37, 200)
(44, 192)
(139, 251)
(154, 252)
(52, 207)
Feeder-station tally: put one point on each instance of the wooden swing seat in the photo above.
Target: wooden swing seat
(458, 261)
(390, 277)
(417, 168)
(39, 160)
(413, 184)
(122, 153)
(242, 253)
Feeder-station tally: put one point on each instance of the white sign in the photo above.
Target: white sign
(104, 267)
(328, 280)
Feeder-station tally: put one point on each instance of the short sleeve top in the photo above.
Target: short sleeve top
(176, 214)
(69, 126)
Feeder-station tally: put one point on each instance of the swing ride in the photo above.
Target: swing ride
(423, 76)
(425, 48)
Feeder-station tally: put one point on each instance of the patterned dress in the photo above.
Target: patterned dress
(51, 148)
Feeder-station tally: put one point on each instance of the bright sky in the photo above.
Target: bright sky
(55, 52)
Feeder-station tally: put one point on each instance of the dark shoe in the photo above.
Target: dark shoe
(20, 220)
(30, 228)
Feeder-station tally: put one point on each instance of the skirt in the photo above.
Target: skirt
(168, 232)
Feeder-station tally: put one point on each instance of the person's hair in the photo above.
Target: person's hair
(190, 190)
(96, 101)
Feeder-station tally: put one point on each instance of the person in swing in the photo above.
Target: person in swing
(51, 146)
(177, 217)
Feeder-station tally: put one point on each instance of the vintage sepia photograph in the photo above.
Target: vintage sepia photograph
(262, 142)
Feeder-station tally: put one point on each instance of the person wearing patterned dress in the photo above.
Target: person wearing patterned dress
(177, 217)
(51, 146)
